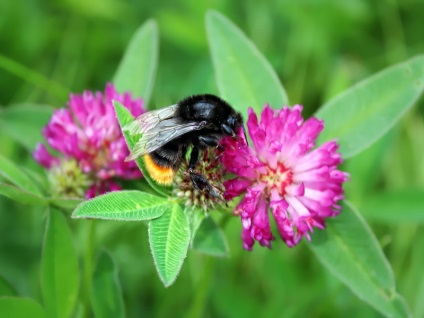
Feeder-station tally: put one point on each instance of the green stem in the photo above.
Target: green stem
(198, 303)
(33, 77)
(88, 267)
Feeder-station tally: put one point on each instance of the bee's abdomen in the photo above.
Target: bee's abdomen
(158, 171)
(164, 162)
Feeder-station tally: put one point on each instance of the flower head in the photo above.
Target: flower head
(283, 174)
(88, 133)
(213, 171)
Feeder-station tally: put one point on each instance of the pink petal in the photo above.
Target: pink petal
(43, 157)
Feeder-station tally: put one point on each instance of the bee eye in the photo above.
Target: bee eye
(231, 120)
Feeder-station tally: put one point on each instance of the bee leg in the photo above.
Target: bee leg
(199, 181)
(195, 177)
(228, 130)
(212, 141)
(202, 184)
(194, 159)
(209, 141)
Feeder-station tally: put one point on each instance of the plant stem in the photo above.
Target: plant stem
(200, 296)
(88, 267)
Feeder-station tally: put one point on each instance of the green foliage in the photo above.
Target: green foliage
(23, 122)
(362, 114)
(210, 239)
(106, 293)
(6, 289)
(395, 206)
(20, 195)
(16, 176)
(195, 217)
(351, 252)
(20, 307)
(169, 237)
(243, 76)
(137, 70)
(22, 187)
(59, 268)
(124, 206)
(64, 203)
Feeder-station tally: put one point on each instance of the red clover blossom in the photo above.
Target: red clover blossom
(282, 173)
(87, 134)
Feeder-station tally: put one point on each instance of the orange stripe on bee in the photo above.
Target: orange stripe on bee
(162, 175)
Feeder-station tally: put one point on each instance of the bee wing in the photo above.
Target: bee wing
(149, 120)
(165, 131)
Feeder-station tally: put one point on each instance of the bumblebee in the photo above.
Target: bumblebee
(198, 121)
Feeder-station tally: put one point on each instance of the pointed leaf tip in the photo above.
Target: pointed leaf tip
(244, 77)
(169, 237)
(137, 70)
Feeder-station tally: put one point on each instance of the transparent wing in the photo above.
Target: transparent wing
(148, 121)
(164, 131)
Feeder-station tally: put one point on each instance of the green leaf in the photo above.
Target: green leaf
(24, 122)
(401, 306)
(365, 167)
(210, 239)
(350, 251)
(59, 268)
(14, 174)
(169, 237)
(124, 117)
(362, 114)
(106, 293)
(14, 307)
(243, 76)
(5, 288)
(20, 195)
(124, 206)
(195, 217)
(137, 69)
(395, 206)
(65, 203)
(418, 308)
(39, 178)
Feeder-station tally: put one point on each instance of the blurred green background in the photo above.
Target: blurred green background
(318, 48)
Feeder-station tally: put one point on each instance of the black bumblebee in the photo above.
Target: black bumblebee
(199, 121)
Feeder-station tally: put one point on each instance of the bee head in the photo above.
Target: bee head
(232, 125)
